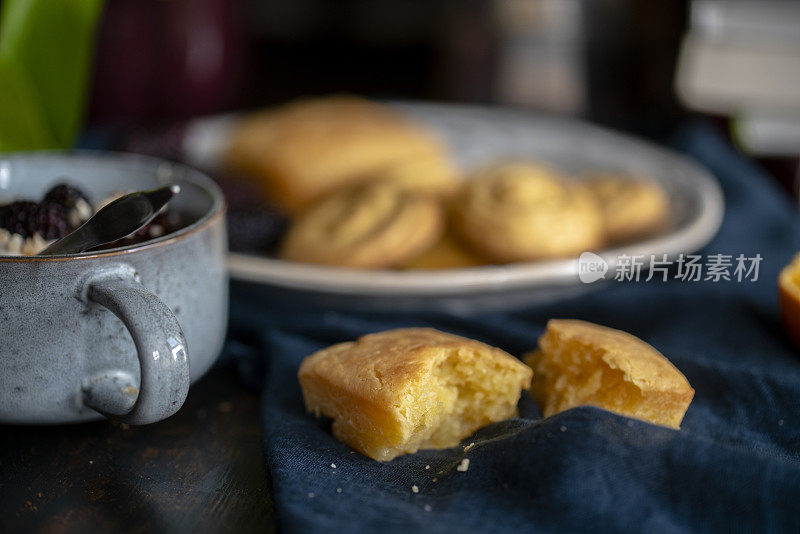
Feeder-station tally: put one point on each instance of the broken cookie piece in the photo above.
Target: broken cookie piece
(579, 363)
(399, 391)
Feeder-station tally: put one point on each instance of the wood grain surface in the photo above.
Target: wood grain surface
(201, 470)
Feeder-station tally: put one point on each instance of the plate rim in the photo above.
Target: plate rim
(491, 278)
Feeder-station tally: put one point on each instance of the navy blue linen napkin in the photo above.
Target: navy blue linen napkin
(733, 466)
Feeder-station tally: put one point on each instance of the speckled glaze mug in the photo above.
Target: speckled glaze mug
(119, 333)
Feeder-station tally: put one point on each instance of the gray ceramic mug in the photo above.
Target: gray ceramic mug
(122, 332)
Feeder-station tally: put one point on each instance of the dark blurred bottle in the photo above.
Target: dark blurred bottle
(161, 60)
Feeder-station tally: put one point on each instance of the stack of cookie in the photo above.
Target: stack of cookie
(368, 188)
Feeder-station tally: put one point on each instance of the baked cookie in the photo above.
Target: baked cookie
(305, 150)
(447, 253)
(399, 391)
(433, 175)
(788, 297)
(580, 363)
(373, 226)
(520, 211)
(632, 207)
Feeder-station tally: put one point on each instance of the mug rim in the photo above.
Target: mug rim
(142, 161)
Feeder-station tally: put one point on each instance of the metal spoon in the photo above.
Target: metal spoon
(115, 220)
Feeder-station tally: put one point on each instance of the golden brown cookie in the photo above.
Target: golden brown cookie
(305, 150)
(399, 391)
(788, 298)
(520, 211)
(447, 253)
(580, 363)
(372, 226)
(632, 207)
(433, 175)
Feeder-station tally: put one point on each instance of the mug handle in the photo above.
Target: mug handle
(160, 344)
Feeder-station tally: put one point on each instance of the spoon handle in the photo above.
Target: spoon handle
(77, 241)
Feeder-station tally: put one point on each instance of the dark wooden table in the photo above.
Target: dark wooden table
(202, 470)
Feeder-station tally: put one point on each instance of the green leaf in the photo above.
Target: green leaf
(45, 61)
(23, 125)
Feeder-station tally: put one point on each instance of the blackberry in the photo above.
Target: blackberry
(74, 202)
(66, 195)
(26, 218)
(255, 229)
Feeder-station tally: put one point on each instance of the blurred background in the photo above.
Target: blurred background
(637, 66)
(605, 60)
(644, 67)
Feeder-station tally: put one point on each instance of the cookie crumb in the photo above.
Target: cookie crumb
(468, 447)
(310, 495)
(415, 489)
(427, 467)
(333, 465)
(338, 490)
(428, 508)
(563, 428)
(463, 466)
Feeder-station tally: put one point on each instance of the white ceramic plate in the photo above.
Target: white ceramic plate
(477, 136)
